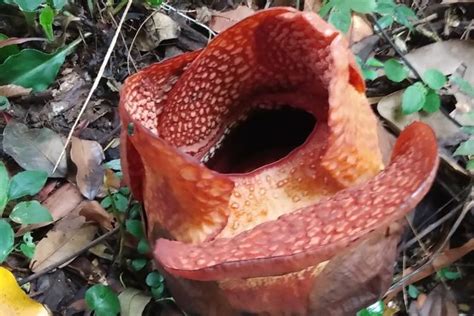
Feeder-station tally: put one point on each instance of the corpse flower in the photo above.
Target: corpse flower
(258, 163)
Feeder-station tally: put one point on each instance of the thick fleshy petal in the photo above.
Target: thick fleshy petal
(316, 233)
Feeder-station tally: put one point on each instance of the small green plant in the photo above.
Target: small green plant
(102, 300)
(23, 184)
(156, 282)
(376, 309)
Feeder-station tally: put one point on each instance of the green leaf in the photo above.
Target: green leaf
(7, 237)
(465, 149)
(340, 18)
(46, 19)
(385, 21)
(413, 98)
(413, 292)
(369, 74)
(138, 264)
(327, 6)
(33, 69)
(102, 300)
(59, 4)
(446, 273)
(4, 103)
(374, 62)
(28, 247)
(7, 51)
(432, 101)
(464, 85)
(143, 247)
(363, 6)
(4, 184)
(154, 279)
(375, 309)
(470, 165)
(135, 211)
(385, 7)
(30, 212)
(157, 292)
(106, 202)
(154, 2)
(134, 227)
(27, 183)
(395, 71)
(114, 165)
(120, 202)
(434, 79)
(404, 15)
(29, 5)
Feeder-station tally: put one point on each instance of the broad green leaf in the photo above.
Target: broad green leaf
(395, 71)
(120, 202)
(135, 211)
(404, 15)
(413, 291)
(374, 62)
(138, 264)
(33, 69)
(7, 51)
(385, 21)
(413, 98)
(59, 4)
(463, 85)
(340, 19)
(432, 101)
(369, 74)
(468, 129)
(466, 148)
(106, 202)
(29, 5)
(385, 7)
(363, 6)
(114, 165)
(102, 300)
(327, 6)
(4, 183)
(446, 273)
(154, 279)
(46, 19)
(470, 165)
(7, 238)
(143, 247)
(134, 227)
(375, 309)
(434, 79)
(4, 103)
(30, 212)
(27, 183)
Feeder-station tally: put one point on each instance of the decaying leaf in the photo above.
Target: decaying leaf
(360, 29)
(88, 157)
(11, 90)
(133, 302)
(15, 302)
(223, 20)
(34, 149)
(94, 212)
(68, 236)
(157, 29)
(440, 302)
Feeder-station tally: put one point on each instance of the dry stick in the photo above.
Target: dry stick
(95, 84)
(68, 258)
(170, 8)
(384, 34)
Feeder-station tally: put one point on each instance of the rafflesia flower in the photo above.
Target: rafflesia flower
(251, 205)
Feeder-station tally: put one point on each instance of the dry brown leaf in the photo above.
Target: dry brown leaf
(313, 5)
(11, 90)
(440, 302)
(444, 56)
(112, 181)
(69, 235)
(94, 212)
(88, 157)
(360, 29)
(223, 20)
(157, 29)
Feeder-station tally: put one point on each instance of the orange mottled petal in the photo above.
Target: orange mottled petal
(316, 233)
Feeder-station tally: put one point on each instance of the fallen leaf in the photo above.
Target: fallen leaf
(17, 40)
(15, 302)
(11, 90)
(94, 212)
(313, 5)
(133, 302)
(440, 302)
(157, 29)
(360, 29)
(69, 235)
(223, 20)
(445, 56)
(34, 149)
(112, 181)
(88, 157)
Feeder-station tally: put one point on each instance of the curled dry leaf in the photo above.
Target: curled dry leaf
(69, 235)
(360, 29)
(15, 302)
(11, 90)
(94, 212)
(34, 149)
(157, 29)
(18, 40)
(133, 302)
(88, 157)
(223, 20)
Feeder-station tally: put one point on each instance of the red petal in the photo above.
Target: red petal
(316, 233)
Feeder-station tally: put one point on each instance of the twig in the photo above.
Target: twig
(95, 84)
(170, 8)
(68, 258)
(381, 31)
